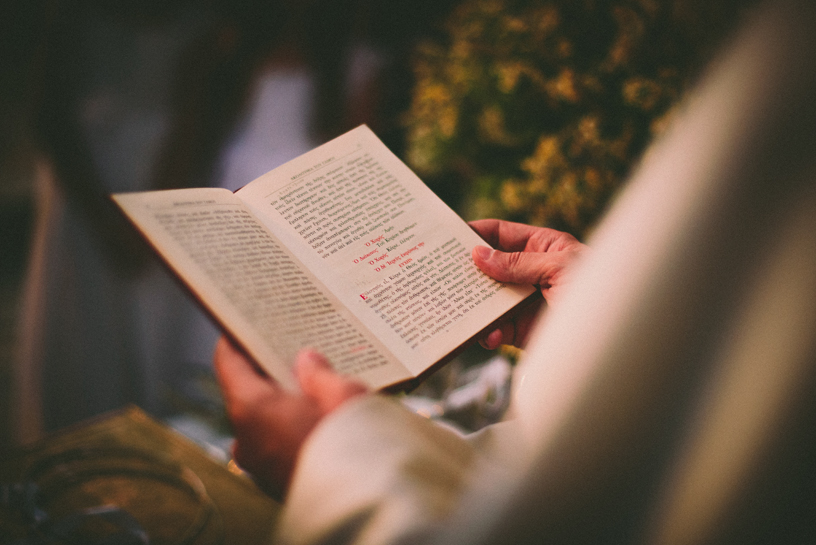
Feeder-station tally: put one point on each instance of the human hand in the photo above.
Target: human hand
(524, 255)
(270, 423)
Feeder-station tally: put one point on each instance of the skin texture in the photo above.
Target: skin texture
(524, 255)
(271, 423)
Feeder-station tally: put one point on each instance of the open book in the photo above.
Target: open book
(343, 250)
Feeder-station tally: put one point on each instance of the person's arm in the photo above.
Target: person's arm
(271, 423)
(360, 465)
(524, 254)
(374, 472)
(349, 462)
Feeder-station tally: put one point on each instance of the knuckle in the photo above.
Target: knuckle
(514, 259)
(242, 414)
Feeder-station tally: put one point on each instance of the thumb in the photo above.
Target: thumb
(320, 382)
(517, 267)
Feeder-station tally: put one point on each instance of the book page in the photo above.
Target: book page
(386, 245)
(254, 286)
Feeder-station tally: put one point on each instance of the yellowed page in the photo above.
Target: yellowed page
(387, 247)
(254, 286)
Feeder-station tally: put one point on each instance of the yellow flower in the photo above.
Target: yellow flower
(584, 107)
(566, 197)
(462, 49)
(548, 19)
(563, 87)
(514, 24)
(564, 48)
(492, 128)
(641, 92)
(547, 155)
(492, 7)
(460, 75)
(511, 195)
(593, 179)
(630, 30)
(508, 74)
(448, 120)
(588, 129)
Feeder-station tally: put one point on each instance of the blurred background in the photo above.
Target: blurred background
(533, 111)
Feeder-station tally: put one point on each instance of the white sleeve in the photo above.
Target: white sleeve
(372, 472)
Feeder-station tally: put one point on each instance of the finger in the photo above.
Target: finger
(491, 340)
(487, 229)
(517, 267)
(504, 334)
(238, 377)
(319, 381)
(507, 235)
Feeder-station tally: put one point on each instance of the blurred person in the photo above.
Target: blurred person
(146, 95)
(667, 396)
(85, 343)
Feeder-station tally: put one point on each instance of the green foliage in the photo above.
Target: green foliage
(538, 109)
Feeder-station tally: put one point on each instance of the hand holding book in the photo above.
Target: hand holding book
(271, 423)
(524, 255)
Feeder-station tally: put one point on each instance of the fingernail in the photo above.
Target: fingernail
(483, 252)
(494, 339)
